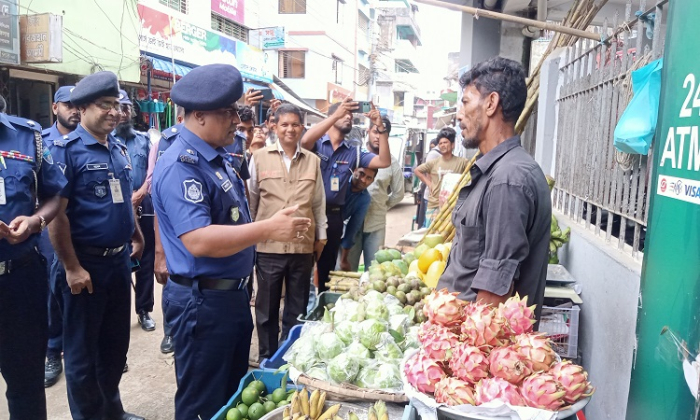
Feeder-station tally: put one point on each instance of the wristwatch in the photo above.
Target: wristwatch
(42, 224)
(380, 131)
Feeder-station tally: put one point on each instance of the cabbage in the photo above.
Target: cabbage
(411, 338)
(372, 296)
(390, 300)
(303, 355)
(367, 376)
(399, 323)
(387, 377)
(395, 309)
(360, 352)
(377, 310)
(318, 372)
(346, 331)
(328, 346)
(370, 333)
(388, 351)
(343, 368)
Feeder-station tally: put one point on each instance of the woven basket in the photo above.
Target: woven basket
(350, 392)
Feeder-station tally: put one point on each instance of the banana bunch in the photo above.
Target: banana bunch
(378, 412)
(304, 407)
(557, 239)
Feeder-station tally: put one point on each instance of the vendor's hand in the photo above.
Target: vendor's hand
(345, 265)
(78, 279)
(252, 97)
(160, 268)
(20, 229)
(285, 228)
(137, 197)
(318, 249)
(348, 106)
(137, 249)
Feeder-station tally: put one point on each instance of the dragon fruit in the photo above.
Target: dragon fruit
(542, 390)
(537, 351)
(468, 363)
(519, 318)
(490, 389)
(452, 391)
(509, 364)
(481, 328)
(442, 307)
(437, 343)
(423, 373)
(573, 379)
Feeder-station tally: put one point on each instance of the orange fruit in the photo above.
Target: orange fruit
(427, 258)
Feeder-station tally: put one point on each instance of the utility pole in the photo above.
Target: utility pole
(373, 60)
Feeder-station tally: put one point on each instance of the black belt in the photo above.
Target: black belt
(212, 284)
(100, 252)
(333, 208)
(7, 267)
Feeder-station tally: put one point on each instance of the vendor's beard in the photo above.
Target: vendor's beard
(124, 130)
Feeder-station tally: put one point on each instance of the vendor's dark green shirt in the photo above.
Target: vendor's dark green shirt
(502, 221)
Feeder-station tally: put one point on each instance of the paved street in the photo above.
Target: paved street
(148, 387)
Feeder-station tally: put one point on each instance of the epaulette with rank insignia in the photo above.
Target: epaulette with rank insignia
(23, 122)
(188, 156)
(171, 132)
(65, 140)
(46, 132)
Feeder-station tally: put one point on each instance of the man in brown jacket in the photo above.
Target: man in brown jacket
(283, 175)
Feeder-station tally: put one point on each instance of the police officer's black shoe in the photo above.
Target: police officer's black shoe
(52, 370)
(147, 323)
(129, 416)
(166, 346)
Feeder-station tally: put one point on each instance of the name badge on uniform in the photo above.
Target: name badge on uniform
(116, 189)
(3, 197)
(335, 183)
(235, 214)
(226, 185)
(97, 166)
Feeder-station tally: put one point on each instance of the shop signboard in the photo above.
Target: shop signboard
(9, 32)
(668, 332)
(42, 38)
(230, 9)
(169, 36)
(272, 38)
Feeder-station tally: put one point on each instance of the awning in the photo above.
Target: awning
(165, 68)
(293, 99)
(275, 93)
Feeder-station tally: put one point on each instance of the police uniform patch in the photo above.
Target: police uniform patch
(46, 155)
(226, 185)
(187, 159)
(193, 191)
(235, 214)
(59, 143)
(100, 191)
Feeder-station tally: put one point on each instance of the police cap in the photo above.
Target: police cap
(94, 86)
(124, 97)
(208, 87)
(63, 94)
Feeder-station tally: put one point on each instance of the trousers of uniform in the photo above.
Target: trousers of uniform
(274, 270)
(145, 279)
(326, 263)
(366, 244)
(55, 346)
(23, 335)
(96, 331)
(212, 330)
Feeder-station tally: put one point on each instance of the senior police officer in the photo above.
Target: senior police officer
(91, 237)
(139, 148)
(27, 173)
(67, 119)
(208, 238)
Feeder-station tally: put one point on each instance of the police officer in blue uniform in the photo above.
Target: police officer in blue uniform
(67, 119)
(27, 173)
(91, 237)
(208, 238)
(139, 147)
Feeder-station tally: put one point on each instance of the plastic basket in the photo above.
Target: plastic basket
(274, 362)
(561, 326)
(316, 313)
(270, 379)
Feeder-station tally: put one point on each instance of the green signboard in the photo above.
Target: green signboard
(670, 288)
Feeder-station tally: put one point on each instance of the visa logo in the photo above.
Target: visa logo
(691, 191)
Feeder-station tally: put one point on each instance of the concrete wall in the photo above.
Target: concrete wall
(512, 41)
(104, 41)
(610, 280)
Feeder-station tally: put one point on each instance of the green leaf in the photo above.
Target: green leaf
(396, 336)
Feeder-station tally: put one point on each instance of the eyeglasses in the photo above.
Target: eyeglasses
(109, 106)
(227, 112)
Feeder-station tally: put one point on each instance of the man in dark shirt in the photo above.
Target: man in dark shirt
(356, 205)
(503, 216)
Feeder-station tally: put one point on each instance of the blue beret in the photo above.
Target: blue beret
(63, 94)
(208, 87)
(124, 97)
(93, 86)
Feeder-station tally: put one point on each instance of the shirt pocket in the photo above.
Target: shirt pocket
(306, 186)
(471, 245)
(95, 183)
(139, 160)
(19, 181)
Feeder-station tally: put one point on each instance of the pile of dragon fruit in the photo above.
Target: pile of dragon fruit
(473, 353)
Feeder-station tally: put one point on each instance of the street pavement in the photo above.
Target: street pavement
(148, 388)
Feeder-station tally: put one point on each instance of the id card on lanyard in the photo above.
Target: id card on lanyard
(115, 188)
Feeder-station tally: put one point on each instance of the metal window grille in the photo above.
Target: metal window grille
(229, 27)
(609, 191)
(292, 6)
(363, 74)
(363, 24)
(179, 5)
(292, 64)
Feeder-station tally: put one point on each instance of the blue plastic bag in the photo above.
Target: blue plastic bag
(635, 130)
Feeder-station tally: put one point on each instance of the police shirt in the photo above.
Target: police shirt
(97, 216)
(167, 137)
(51, 133)
(239, 161)
(337, 167)
(17, 168)
(139, 147)
(194, 186)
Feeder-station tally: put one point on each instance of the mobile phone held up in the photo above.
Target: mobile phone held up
(267, 94)
(363, 107)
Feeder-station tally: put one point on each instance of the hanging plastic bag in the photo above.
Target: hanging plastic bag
(635, 130)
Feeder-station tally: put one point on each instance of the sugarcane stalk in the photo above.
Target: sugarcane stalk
(351, 274)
